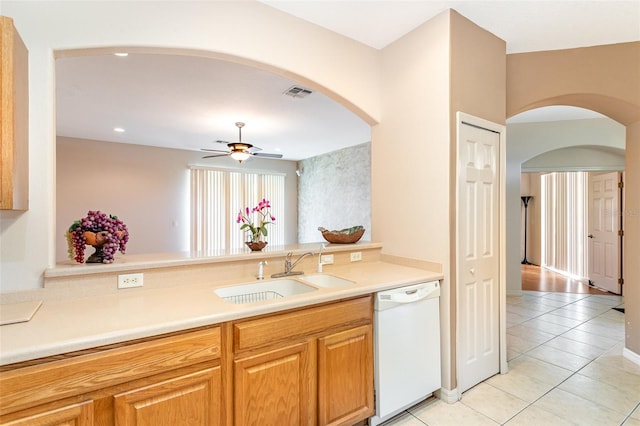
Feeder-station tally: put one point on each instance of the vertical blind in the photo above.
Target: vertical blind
(564, 222)
(216, 198)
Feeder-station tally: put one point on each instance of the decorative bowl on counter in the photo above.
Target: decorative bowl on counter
(343, 236)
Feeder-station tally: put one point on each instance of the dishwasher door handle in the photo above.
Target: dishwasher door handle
(409, 296)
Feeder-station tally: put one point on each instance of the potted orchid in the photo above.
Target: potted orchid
(257, 229)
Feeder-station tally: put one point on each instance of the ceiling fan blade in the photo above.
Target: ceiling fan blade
(213, 150)
(224, 142)
(266, 155)
(255, 149)
(217, 155)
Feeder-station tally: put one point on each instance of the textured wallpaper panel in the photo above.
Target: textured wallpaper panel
(334, 191)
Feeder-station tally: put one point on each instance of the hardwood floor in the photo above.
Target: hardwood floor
(535, 278)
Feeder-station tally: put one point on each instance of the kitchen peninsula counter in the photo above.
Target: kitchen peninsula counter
(73, 323)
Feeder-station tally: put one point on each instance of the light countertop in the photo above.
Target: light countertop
(81, 323)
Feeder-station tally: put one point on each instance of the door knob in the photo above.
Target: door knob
(472, 271)
(590, 236)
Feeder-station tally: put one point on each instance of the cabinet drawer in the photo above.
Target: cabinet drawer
(300, 324)
(37, 384)
(78, 414)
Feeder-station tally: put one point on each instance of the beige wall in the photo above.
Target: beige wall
(448, 64)
(600, 78)
(605, 79)
(631, 239)
(410, 158)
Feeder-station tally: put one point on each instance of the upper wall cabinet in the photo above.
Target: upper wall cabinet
(14, 126)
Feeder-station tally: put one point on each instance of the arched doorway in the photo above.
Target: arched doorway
(563, 139)
(588, 80)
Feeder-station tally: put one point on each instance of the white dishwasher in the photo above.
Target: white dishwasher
(406, 347)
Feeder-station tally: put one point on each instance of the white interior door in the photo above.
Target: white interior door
(478, 255)
(604, 224)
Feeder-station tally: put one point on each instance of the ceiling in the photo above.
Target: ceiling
(173, 101)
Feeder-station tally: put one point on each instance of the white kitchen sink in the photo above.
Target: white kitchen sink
(263, 290)
(325, 280)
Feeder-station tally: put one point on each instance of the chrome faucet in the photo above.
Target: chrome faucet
(288, 266)
(319, 270)
(261, 270)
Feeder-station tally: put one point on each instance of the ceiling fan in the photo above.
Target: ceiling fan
(240, 151)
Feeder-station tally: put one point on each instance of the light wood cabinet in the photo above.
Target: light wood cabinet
(177, 375)
(188, 400)
(14, 126)
(274, 388)
(309, 366)
(345, 369)
(305, 367)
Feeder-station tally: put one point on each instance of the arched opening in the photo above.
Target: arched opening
(587, 78)
(186, 100)
(568, 146)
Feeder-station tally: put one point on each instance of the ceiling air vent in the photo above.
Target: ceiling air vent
(297, 92)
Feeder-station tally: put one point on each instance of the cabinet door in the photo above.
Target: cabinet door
(14, 126)
(189, 400)
(345, 376)
(80, 414)
(275, 388)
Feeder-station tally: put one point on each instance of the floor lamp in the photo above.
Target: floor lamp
(525, 200)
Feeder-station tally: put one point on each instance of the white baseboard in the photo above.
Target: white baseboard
(448, 396)
(631, 356)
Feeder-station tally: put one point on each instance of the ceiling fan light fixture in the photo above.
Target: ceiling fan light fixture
(240, 151)
(240, 156)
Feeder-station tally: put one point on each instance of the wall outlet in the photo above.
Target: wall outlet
(356, 256)
(326, 259)
(130, 280)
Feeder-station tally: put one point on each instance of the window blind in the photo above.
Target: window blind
(564, 222)
(216, 198)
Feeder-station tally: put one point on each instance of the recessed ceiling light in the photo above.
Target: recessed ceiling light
(118, 129)
(121, 54)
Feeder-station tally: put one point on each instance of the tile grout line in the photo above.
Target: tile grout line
(574, 372)
(571, 328)
(637, 407)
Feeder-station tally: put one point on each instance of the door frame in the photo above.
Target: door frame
(462, 119)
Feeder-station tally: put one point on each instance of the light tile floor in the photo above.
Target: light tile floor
(565, 368)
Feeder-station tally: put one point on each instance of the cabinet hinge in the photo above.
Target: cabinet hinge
(620, 184)
(620, 280)
(621, 233)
